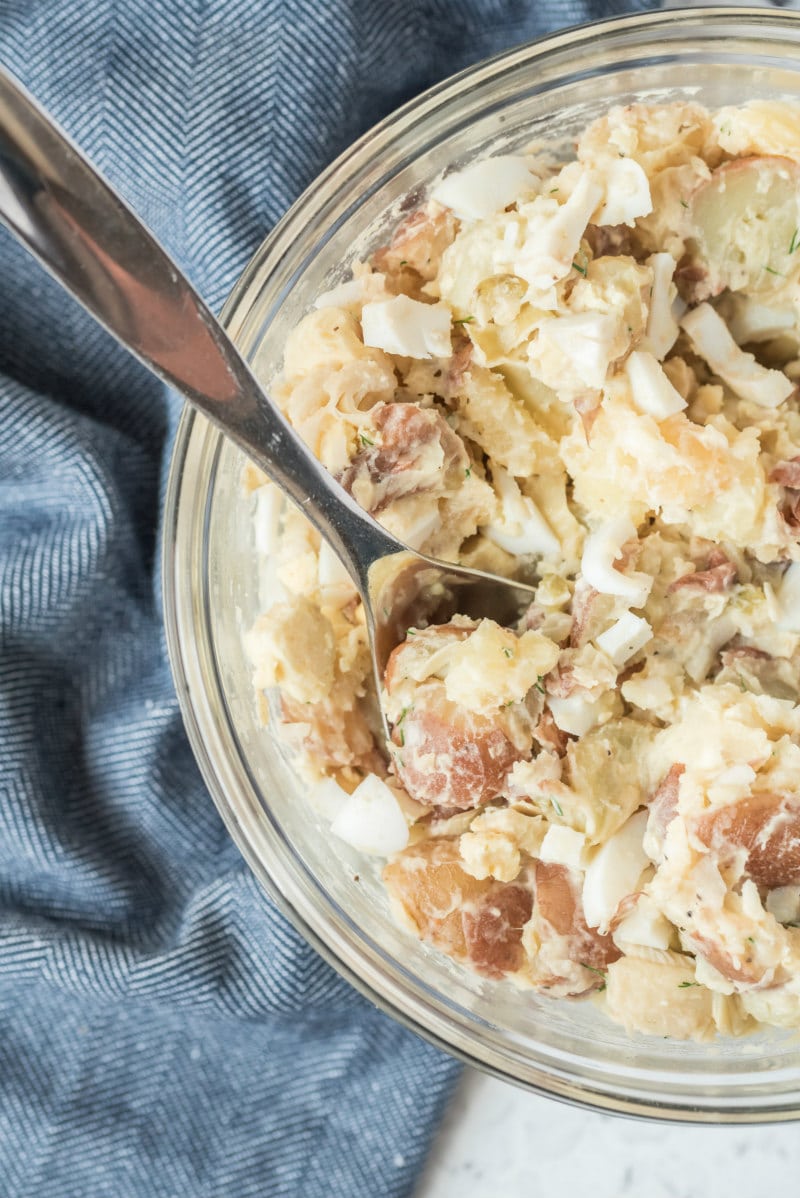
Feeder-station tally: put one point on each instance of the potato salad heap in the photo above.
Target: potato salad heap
(582, 375)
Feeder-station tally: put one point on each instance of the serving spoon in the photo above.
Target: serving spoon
(64, 212)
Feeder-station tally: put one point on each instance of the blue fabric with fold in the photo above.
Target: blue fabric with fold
(164, 1033)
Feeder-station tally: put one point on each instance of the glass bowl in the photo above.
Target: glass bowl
(549, 89)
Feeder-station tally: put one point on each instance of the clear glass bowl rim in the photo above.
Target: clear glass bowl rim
(184, 539)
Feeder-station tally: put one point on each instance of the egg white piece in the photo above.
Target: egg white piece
(602, 548)
(521, 529)
(563, 846)
(662, 327)
(651, 390)
(624, 638)
(407, 327)
(788, 599)
(371, 820)
(486, 187)
(743, 374)
(627, 193)
(577, 713)
(614, 872)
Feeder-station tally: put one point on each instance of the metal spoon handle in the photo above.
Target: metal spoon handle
(61, 209)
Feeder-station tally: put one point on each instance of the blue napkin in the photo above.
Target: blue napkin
(164, 1033)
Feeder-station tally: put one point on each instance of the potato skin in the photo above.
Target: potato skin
(664, 803)
(449, 758)
(476, 922)
(446, 756)
(767, 827)
(745, 213)
(559, 912)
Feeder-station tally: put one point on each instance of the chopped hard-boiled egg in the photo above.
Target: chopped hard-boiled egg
(627, 193)
(342, 295)
(662, 327)
(577, 713)
(625, 638)
(330, 571)
(554, 233)
(740, 370)
(521, 528)
(750, 321)
(651, 390)
(563, 846)
(643, 927)
(486, 187)
(784, 904)
(614, 872)
(407, 327)
(585, 339)
(602, 548)
(328, 798)
(788, 599)
(371, 819)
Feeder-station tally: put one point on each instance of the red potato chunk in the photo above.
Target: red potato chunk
(446, 756)
(787, 474)
(744, 971)
(416, 451)
(493, 929)
(762, 673)
(417, 246)
(450, 758)
(334, 738)
(767, 827)
(719, 575)
(560, 924)
(550, 736)
(663, 805)
(744, 223)
(475, 922)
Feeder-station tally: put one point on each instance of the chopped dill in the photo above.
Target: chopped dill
(599, 972)
(402, 731)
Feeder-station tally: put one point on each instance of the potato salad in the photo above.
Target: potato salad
(581, 374)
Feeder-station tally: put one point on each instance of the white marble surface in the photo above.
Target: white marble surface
(500, 1142)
